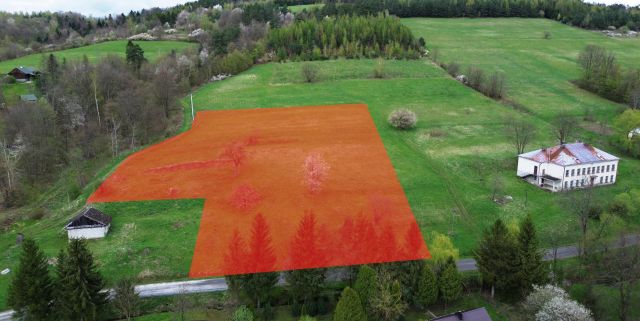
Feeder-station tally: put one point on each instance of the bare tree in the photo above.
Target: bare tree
(520, 132)
(618, 266)
(10, 158)
(564, 126)
(579, 203)
(126, 300)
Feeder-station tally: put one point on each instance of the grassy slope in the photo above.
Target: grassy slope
(300, 8)
(152, 51)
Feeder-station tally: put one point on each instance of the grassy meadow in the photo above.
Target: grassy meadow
(152, 51)
(302, 7)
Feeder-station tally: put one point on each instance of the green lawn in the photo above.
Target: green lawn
(152, 51)
(538, 70)
(308, 7)
(446, 165)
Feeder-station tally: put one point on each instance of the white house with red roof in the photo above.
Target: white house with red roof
(568, 166)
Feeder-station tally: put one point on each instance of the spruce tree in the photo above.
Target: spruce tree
(135, 55)
(305, 286)
(427, 287)
(497, 260)
(80, 284)
(450, 282)
(532, 270)
(349, 307)
(365, 285)
(31, 290)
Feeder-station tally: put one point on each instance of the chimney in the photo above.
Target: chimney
(460, 315)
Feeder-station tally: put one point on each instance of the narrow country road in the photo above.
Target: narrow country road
(219, 284)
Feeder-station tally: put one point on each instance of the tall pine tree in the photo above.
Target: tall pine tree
(349, 307)
(366, 285)
(497, 259)
(532, 270)
(79, 285)
(135, 55)
(427, 287)
(31, 290)
(450, 282)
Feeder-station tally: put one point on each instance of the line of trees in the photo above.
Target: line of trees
(572, 12)
(602, 75)
(345, 36)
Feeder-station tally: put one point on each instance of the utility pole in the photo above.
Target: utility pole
(193, 115)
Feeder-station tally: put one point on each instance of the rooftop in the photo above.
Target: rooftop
(27, 70)
(479, 314)
(29, 97)
(569, 154)
(89, 217)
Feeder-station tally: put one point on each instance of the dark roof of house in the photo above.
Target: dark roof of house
(479, 314)
(27, 70)
(89, 217)
(29, 97)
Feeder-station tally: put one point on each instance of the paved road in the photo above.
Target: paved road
(219, 284)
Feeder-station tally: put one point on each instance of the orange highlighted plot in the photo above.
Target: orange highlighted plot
(284, 188)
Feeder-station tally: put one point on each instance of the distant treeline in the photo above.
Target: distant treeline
(344, 36)
(573, 12)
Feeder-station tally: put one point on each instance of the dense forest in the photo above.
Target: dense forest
(343, 36)
(573, 12)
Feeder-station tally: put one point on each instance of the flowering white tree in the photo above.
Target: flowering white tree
(563, 309)
(552, 303)
(316, 170)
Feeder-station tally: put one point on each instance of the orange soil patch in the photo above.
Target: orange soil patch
(260, 214)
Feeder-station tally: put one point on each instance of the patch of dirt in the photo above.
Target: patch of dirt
(597, 127)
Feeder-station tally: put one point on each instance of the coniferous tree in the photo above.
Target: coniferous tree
(306, 286)
(497, 259)
(427, 287)
(349, 307)
(80, 284)
(135, 55)
(257, 287)
(31, 290)
(532, 270)
(450, 282)
(365, 285)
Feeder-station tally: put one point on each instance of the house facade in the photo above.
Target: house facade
(88, 224)
(568, 166)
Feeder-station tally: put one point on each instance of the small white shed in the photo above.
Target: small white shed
(88, 224)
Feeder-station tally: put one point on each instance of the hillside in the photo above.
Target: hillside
(152, 50)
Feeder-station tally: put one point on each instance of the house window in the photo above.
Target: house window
(602, 169)
(567, 174)
(566, 184)
(611, 178)
(608, 167)
(606, 179)
(600, 179)
(573, 173)
(588, 170)
(582, 182)
(613, 167)
(571, 184)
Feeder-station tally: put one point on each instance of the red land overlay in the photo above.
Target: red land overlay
(284, 188)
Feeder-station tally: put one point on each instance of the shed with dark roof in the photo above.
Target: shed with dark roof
(90, 223)
(24, 73)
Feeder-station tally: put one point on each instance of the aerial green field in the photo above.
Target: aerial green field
(447, 165)
(538, 70)
(152, 51)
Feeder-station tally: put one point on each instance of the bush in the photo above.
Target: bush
(242, 314)
(547, 34)
(453, 69)
(402, 119)
(379, 69)
(310, 72)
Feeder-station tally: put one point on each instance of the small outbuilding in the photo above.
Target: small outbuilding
(479, 314)
(29, 98)
(24, 73)
(90, 223)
